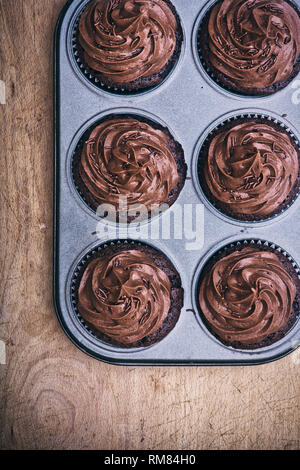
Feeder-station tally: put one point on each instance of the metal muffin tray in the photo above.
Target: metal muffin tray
(190, 104)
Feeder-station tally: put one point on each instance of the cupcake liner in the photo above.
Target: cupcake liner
(91, 76)
(201, 154)
(213, 74)
(290, 265)
(175, 147)
(163, 263)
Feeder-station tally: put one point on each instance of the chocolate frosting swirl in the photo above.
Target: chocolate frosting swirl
(251, 168)
(125, 40)
(125, 296)
(247, 296)
(126, 157)
(256, 43)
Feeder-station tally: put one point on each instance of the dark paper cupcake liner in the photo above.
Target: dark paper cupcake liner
(202, 155)
(175, 147)
(202, 46)
(289, 264)
(131, 88)
(161, 260)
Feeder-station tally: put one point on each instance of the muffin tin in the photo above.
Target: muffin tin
(190, 104)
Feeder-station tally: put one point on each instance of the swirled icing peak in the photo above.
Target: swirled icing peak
(247, 295)
(127, 39)
(125, 296)
(251, 167)
(256, 42)
(126, 157)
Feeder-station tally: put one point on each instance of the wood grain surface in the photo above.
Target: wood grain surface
(52, 395)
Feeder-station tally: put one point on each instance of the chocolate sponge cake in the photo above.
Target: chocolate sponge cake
(249, 168)
(129, 156)
(129, 294)
(251, 47)
(129, 45)
(249, 296)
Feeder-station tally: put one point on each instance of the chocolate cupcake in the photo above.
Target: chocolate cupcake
(251, 47)
(133, 157)
(249, 295)
(128, 45)
(128, 294)
(249, 169)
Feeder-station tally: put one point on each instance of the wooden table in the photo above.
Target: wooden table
(52, 395)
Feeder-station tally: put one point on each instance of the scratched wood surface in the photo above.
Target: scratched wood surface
(52, 396)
